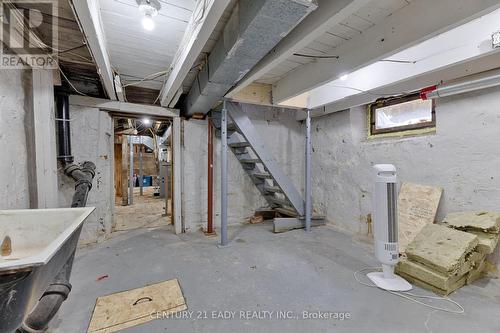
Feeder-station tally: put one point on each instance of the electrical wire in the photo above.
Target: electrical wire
(408, 295)
(42, 45)
(147, 78)
(316, 56)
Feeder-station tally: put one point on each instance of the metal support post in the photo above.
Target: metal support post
(308, 172)
(223, 226)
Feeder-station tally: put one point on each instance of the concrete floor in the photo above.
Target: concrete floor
(263, 271)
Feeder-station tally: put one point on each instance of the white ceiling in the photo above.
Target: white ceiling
(365, 18)
(136, 53)
(468, 41)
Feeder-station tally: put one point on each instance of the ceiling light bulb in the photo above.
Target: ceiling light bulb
(148, 23)
(146, 121)
(344, 77)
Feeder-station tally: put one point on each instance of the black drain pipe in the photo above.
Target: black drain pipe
(57, 292)
(63, 129)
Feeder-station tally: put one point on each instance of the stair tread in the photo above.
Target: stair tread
(284, 202)
(286, 211)
(250, 160)
(239, 144)
(273, 189)
(262, 175)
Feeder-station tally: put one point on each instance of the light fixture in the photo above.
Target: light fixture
(148, 8)
(344, 77)
(146, 121)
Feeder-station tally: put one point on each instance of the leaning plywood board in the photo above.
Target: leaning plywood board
(442, 249)
(417, 206)
(133, 307)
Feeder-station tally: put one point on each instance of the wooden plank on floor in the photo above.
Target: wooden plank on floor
(126, 309)
(283, 224)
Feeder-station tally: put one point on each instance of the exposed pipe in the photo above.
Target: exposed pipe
(58, 291)
(210, 189)
(63, 129)
(481, 81)
(83, 177)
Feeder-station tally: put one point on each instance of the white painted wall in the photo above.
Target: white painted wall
(14, 107)
(285, 140)
(463, 157)
(92, 140)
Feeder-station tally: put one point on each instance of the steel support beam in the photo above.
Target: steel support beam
(308, 172)
(223, 170)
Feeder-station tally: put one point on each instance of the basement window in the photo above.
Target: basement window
(401, 114)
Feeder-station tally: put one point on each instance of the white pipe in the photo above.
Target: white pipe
(480, 81)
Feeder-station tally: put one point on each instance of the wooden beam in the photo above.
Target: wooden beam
(282, 224)
(255, 93)
(87, 14)
(412, 84)
(42, 145)
(416, 22)
(177, 181)
(199, 33)
(328, 14)
(124, 170)
(122, 107)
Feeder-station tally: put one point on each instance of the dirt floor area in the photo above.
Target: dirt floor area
(147, 211)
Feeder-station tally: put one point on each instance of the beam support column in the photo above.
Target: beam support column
(223, 199)
(308, 172)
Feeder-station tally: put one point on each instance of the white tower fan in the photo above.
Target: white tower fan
(386, 229)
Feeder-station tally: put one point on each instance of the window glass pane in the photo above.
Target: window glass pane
(403, 114)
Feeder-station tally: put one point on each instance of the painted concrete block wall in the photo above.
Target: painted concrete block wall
(92, 140)
(14, 108)
(286, 141)
(463, 158)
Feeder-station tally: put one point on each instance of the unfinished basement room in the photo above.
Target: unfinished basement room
(250, 166)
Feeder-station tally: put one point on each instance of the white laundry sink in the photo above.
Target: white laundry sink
(34, 246)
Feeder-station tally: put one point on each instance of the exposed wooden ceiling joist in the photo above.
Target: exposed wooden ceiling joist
(418, 21)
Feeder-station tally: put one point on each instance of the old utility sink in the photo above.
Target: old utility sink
(34, 246)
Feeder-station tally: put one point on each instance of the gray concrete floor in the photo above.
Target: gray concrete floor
(262, 271)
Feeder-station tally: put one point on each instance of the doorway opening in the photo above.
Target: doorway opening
(142, 173)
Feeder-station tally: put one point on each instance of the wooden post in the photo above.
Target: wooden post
(124, 171)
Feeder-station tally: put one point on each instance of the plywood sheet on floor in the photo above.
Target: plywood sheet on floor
(417, 207)
(133, 307)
